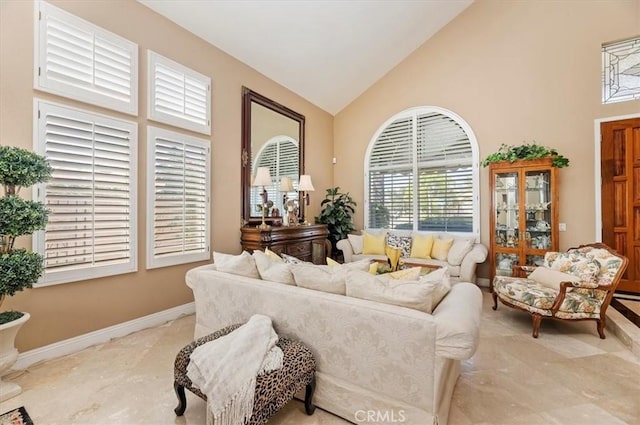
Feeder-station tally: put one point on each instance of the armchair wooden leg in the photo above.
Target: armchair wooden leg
(495, 300)
(537, 319)
(601, 324)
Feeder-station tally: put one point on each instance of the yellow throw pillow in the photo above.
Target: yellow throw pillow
(331, 262)
(373, 268)
(412, 273)
(273, 255)
(441, 248)
(374, 244)
(421, 246)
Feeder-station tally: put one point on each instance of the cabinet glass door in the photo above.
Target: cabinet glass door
(538, 210)
(506, 210)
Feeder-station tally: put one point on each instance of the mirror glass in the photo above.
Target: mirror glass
(273, 137)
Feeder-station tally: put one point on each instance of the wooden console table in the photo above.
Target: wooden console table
(308, 243)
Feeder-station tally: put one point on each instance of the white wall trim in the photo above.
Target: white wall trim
(596, 169)
(78, 343)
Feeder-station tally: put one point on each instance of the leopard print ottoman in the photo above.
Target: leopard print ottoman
(273, 389)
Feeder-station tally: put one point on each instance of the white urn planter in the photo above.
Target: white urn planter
(9, 355)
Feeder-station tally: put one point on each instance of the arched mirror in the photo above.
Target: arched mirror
(272, 137)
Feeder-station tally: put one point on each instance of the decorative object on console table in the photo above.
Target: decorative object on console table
(305, 187)
(524, 213)
(304, 242)
(263, 178)
(289, 206)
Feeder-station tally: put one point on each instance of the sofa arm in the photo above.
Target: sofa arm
(347, 251)
(457, 320)
(477, 255)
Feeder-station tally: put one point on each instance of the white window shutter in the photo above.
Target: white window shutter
(178, 185)
(178, 95)
(81, 61)
(281, 155)
(90, 195)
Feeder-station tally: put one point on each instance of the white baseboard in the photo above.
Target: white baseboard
(78, 343)
(483, 281)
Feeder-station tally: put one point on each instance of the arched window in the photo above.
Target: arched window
(280, 154)
(421, 173)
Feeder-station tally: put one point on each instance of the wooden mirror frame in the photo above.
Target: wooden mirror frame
(248, 97)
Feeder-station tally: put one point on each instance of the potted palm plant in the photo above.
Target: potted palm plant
(337, 213)
(19, 268)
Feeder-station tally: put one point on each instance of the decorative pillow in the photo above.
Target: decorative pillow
(421, 246)
(319, 278)
(273, 270)
(243, 264)
(273, 255)
(403, 293)
(551, 278)
(356, 242)
(440, 281)
(290, 259)
(460, 248)
(412, 273)
(441, 248)
(373, 267)
(402, 242)
(331, 262)
(374, 244)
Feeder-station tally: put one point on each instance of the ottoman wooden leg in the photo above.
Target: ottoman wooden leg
(182, 399)
(308, 397)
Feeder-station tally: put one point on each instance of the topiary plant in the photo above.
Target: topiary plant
(526, 151)
(337, 213)
(19, 268)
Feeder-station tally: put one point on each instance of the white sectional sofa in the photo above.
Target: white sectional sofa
(462, 260)
(398, 363)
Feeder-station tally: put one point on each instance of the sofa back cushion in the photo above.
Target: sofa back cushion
(440, 281)
(273, 270)
(357, 242)
(573, 262)
(243, 264)
(441, 247)
(421, 246)
(374, 244)
(326, 278)
(459, 249)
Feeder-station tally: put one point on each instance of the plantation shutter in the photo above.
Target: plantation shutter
(179, 188)
(391, 176)
(178, 95)
(90, 195)
(281, 156)
(421, 175)
(445, 175)
(79, 60)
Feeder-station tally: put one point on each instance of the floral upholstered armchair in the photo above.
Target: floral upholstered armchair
(573, 285)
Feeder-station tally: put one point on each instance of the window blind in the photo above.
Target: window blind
(421, 175)
(92, 213)
(178, 186)
(178, 95)
(79, 60)
(281, 155)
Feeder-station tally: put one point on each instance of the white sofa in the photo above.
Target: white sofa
(395, 363)
(462, 268)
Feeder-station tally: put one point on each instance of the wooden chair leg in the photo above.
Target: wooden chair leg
(536, 324)
(601, 323)
(308, 397)
(182, 399)
(495, 300)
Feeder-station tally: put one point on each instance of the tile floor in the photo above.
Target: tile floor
(567, 376)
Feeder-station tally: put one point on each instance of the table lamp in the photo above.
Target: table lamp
(305, 187)
(263, 178)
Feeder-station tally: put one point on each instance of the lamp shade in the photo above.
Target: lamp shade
(286, 185)
(263, 177)
(305, 183)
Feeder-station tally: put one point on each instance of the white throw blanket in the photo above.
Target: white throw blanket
(226, 369)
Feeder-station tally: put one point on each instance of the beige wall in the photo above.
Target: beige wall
(515, 71)
(64, 311)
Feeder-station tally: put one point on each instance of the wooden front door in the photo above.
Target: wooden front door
(620, 168)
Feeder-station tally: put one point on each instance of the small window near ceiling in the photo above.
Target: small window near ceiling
(178, 185)
(90, 196)
(81, 61)
(178, 95)
(422, 174)
(621, 70)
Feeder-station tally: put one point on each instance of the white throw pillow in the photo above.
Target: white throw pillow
(440, 280)
(403, 293)
(319, 278)
(551, 278)
(357, 243)
(243, 264)
(460, 248)
(273, 270)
